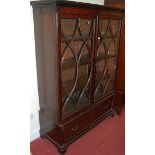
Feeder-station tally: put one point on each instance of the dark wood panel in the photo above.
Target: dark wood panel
(119, 102)
(120, 75)
(103, 107)
(65, 12)
(115, 3)
(46, 59)
(74, 127)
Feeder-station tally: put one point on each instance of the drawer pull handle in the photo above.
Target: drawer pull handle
(108, 105)
(75, 128)
(88, 22)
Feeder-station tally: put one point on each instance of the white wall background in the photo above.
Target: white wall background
(101, 2)
(34, 99)
(34, 103)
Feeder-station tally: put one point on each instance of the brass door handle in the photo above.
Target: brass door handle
(75, 128)
(108, 105)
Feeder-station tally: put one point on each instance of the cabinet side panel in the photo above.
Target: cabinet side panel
(120, 76)
(46, 59)
(120, 80)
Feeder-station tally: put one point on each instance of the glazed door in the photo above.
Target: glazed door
(76, 58)
(106, 56)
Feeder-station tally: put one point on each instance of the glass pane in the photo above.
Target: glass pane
(85, 26)
(103, 26)
(114, 26)
(108, 43)
(76, 63)
(68, 26)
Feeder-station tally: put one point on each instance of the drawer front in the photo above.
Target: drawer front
(103, 108)
(73, 128)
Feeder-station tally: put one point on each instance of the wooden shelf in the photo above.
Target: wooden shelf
(85, 60)
(79, 86)
(81, 82)
(79, 38)
(71, 62)
(103, 56)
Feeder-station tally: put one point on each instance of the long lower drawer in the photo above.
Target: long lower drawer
(76, 126)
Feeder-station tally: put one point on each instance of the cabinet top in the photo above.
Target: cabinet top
(72, 4)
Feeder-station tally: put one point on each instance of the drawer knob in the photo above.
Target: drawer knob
(99, 38)
(108, 105)
(88, 22)
(75, 128)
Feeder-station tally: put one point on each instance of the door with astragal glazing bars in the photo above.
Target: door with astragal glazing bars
(76, 63)
(106, 56)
